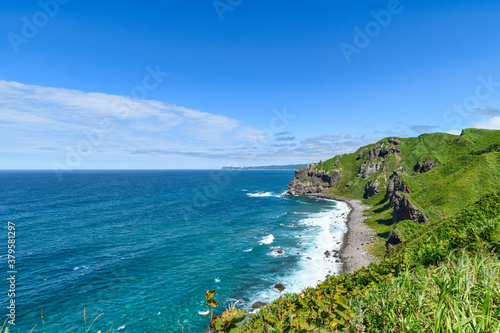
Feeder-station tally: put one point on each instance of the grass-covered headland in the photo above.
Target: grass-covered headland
(436, 210)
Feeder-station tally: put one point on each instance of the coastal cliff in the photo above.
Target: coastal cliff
(308, 180)
(417, 179)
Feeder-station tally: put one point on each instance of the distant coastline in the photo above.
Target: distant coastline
(269, 167)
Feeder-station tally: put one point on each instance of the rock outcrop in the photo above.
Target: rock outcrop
(404, 209)
(425, 166)
(258, 305)
(396, 184)
(279, 287)
(395, 142)
(368, 169)
(391, 241)
(373, 163)
(361, 154)
(311, 181)
(381, 151)
(371, 188)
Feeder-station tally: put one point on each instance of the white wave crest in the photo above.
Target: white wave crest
(269, 239)
(260, 194)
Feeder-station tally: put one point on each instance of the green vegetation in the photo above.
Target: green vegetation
(444, 278)
(445, 274)
(469, 167)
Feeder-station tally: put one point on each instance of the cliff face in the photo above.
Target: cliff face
(418, 179)
(308, 181)
(373, 168)
(421, 178)
(404, 209)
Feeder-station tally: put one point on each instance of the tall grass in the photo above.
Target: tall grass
(462, 296)
(444, 278)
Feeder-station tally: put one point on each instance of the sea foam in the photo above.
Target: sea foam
(326, 230)
(260, 194)
(269, 239)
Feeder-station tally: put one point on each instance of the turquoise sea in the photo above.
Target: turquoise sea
(142, 247)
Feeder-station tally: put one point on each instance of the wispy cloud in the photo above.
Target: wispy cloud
(487, 111)
(422, 128)
(45, 123)
(42, 119)
(285, 138)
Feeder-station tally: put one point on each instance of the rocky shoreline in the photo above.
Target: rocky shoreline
(354, 254)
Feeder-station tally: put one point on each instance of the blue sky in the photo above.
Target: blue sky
(204, 84)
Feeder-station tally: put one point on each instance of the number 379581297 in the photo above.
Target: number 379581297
(11, 244)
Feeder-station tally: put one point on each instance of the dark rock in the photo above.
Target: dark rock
(371, 188)
(384, 153)
(368, 169)
(405, 210)
(279, 251)
(395, 142)
(327, 254)
(396, 184)
(275, 270)
(349, 184)
(311, 181)
(279, 287)
(381, 151)
(425, 166)
(258, 305)
(361, 154)
(308, 258)
(373, 153)
(394, 239)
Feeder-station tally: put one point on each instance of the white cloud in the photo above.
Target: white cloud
(492, 123)
(42, 123)
(454, 132)
(34, 117)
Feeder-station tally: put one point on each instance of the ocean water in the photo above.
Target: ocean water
(142, 247)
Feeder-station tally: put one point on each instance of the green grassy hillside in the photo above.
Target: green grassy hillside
(444, 276)
(469, 167)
